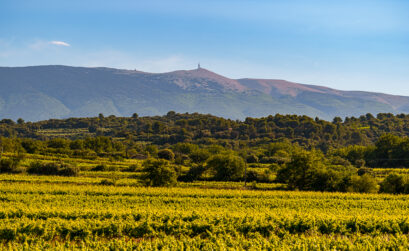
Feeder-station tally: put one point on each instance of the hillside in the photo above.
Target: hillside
(42, 92)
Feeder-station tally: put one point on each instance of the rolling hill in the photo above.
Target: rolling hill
(42, 92)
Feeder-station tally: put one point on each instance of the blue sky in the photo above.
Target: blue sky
(348, 45)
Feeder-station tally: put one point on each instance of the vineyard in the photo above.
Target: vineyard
(46, 212)
(198, 182)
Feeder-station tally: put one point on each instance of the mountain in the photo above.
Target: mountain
(42, 92)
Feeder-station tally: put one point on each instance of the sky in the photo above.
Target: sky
(347, 45)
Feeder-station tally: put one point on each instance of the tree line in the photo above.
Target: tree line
(304, 153)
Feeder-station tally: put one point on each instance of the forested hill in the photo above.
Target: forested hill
(207, 129)
(42, 92)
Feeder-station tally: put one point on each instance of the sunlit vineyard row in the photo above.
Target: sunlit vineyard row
(46, 212)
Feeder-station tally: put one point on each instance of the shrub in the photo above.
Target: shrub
(158, 172)
(252, 158)
(104, 168)
(199, 155)
(131, 168)
(194, 173)
(68, 170)
(226, 167)
(307, 171)
(364, 170)
(166, 154)
(107, 182)
(43, 168)
(299, 172)
(100, 168)
(258, 176)
(53, 168)
(252, 175)
(393, 183)
(360, 163)
(6, 165)
(11, 165)
(363, 184)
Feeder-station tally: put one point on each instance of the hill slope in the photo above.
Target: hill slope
(43, 92)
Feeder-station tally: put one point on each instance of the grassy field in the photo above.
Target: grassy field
(48, 212)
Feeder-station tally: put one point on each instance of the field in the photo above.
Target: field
(46, 212)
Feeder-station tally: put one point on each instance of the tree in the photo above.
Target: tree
(226, 167)
(393, 183)
(199, 155)
(363, 184)
(297, 173)
(166, 154)
(158, 172)
(20, 121)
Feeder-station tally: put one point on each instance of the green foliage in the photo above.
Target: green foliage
(395, 183)
(226, 167)
(10, 165)
(363, 184)
(299, 172)
(166, 154)
(309, 171)
(158, 172)
(252, 158)
(152, 150)
(107, 182)
(60, 213)
(52, 168)
(199, 155)
(104, 168)
(195, 173)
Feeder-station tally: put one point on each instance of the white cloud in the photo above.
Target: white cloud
(60, 43)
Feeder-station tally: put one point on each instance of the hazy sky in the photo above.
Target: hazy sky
(349, 45)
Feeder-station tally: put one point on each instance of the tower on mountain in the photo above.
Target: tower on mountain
(198, 66)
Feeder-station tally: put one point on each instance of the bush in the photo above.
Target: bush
(393, 183)
(300, 171)
(6, 165)
(166, 154)
(226, 167)
(38, 167)
(199, 155)
(53, 168)
(11, 165)
(363, 184)
(364, 170)
(104, 168)
(252, 158)
(158, 173)
(252, 175)
(68, 171)
(194, 173)
(306, 171)
(107, 182)
(100, 168)
(258, 176)
(131, 168)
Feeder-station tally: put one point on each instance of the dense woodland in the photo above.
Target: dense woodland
(303, 153)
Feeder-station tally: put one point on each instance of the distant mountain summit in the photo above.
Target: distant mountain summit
(43, 92)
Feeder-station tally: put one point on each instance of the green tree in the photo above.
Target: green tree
(166, 154)
(363, 184)
(158, 172)
(227, 167)
(393, 183)
(299, 172)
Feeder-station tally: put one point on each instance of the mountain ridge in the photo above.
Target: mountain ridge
(57, 91)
